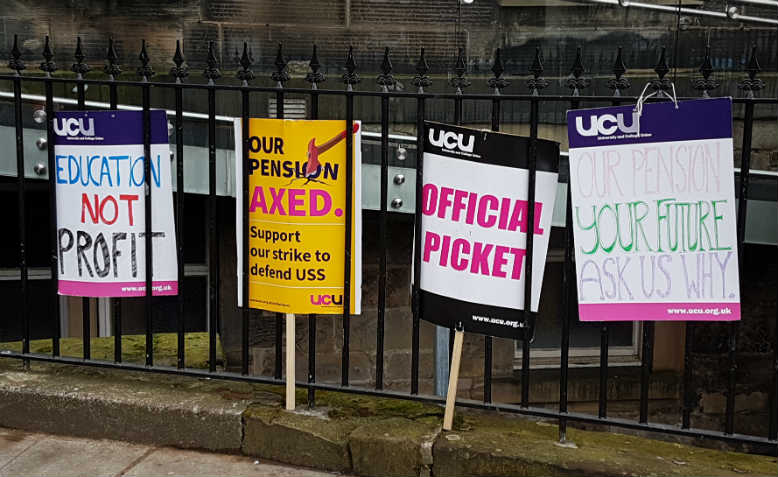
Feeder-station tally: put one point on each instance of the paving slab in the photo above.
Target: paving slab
(175, 462)
(64, 457)
(13, 443)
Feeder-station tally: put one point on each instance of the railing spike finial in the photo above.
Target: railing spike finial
(705, 83)
(619, 83)
(661, 85)
(244, 60)
(15, 62)
(497, 82)
(48, 66)
(315, 76)
(145, 70)
(211, 71)
(576, 82)
(459, 81)
(385, 79)
(180, 71)
(280, 75)
(422, 79)
(537, 82)
(350, 77)
(752, 84)
(111, 67)
(79, 67)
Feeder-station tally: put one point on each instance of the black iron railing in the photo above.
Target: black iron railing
(576, 82)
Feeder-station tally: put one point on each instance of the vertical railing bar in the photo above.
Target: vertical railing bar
(55, 311)
(22, 220)
(529, 317)
(742, 211)
(279, 355)
(602, 411)
(458, 122)
(688, 391)
(347, 252)
(213, 237)
(245, 312)
(568, 307)
(379, 374)
(646, 362)
(488, 339)
(180, 196)
(149, 251)
(312, 317)
(86, 317)
(311, 360)
(116, 305)
(416, 295)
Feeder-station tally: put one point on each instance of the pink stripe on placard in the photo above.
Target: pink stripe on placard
(659, 311)
(116, 289)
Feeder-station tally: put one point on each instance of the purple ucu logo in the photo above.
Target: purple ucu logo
(327, 299)
(607, 124)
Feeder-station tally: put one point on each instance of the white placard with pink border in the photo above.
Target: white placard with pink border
(653, 212)
(100, 181)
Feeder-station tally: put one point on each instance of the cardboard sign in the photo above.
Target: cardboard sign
(474, 227)
(654, 212)
(297, 182)
(100, 181)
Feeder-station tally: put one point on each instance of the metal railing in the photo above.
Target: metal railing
(576, 82)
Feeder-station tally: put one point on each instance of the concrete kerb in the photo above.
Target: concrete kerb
(346, 433)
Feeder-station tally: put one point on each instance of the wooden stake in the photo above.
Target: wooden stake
(290, 375)
(453, 378)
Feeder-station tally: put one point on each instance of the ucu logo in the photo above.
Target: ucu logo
(607, 124)
(452, 140)
(327, 299)
(74, 127)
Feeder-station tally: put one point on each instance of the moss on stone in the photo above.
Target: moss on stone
(133, 348)
(487, 444)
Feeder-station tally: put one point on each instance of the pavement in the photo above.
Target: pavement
(33, 454)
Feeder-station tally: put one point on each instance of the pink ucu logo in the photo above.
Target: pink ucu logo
(327, 299)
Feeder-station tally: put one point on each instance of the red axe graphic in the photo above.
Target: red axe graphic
(313, 166)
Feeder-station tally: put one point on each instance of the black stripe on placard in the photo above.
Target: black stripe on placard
(475, 318)
(488, 147)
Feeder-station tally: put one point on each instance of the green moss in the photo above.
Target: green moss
(133, 349)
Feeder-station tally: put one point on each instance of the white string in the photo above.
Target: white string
(642, 99)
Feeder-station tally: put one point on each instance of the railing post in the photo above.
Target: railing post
(314, 77)
(421, 81)
(48, 66)
(350, 78)
(113, 70)
(386, 81)
(15, 63)
(212, 73)
(179, 72)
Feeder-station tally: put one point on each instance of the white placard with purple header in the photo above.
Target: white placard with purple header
(100, 177)
(653, 204)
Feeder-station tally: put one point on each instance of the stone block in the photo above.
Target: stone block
(298, 439)
(393, 447)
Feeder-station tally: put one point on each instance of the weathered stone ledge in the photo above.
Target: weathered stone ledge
(345, 432)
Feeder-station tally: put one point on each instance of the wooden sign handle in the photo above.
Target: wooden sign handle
(290, 368)
(453, 378)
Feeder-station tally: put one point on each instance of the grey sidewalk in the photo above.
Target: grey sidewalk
(31, 454)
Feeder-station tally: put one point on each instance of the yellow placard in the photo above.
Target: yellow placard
(297, 215)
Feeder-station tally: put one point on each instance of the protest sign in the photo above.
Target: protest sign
(100, 181)
(474, 227)
(653, 208)
(297, 220)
